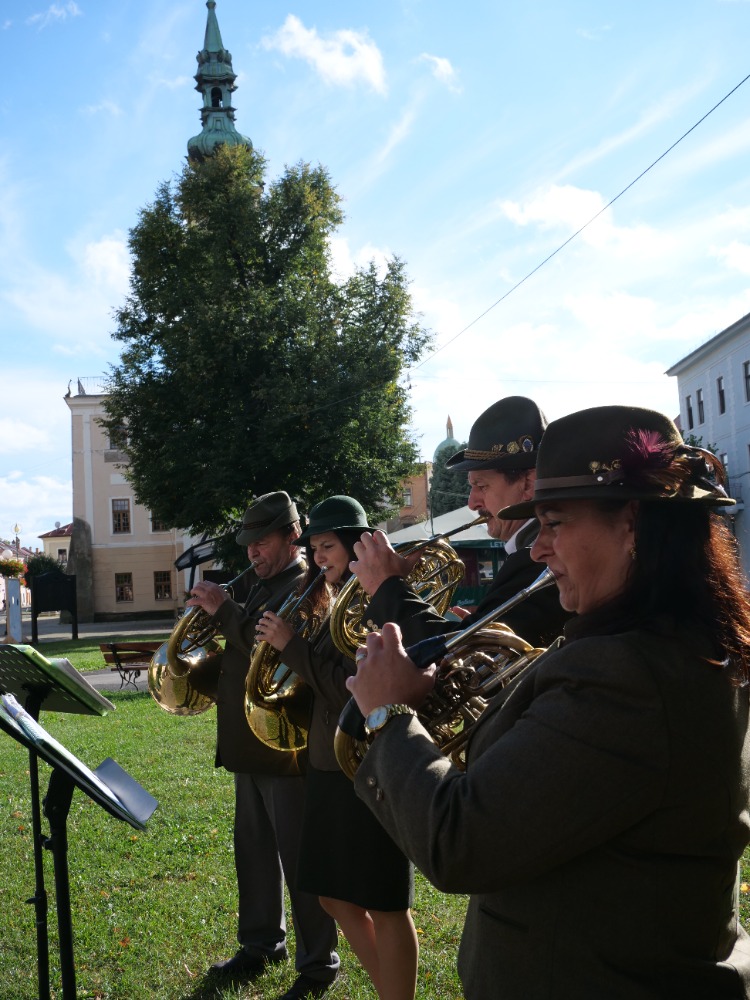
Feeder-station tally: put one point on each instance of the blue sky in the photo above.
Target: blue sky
(469, 139)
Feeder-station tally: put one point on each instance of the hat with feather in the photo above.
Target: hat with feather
(621, 452)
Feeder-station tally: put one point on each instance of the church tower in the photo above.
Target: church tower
(215, 80)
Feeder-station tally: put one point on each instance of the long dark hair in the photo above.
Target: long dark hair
(687, 567)
(320, 596)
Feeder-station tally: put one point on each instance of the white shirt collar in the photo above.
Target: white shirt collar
(511, 545)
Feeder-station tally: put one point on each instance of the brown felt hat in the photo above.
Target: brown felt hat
(505, 436)
(266, 514)
(621, 452)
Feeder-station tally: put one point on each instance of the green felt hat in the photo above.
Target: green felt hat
(337, 513)
(266, 514)
(505, 436)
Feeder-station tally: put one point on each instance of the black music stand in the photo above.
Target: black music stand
(28, 683)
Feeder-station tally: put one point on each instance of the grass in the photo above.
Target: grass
(151, 910)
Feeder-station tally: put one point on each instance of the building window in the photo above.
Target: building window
(746, 376)
(163, 585)
(407, 496)
(725, 461)
(62, 557)
(120, 517)
(118, 438)
(158, 525)
(720, 393)
(689, 408)
(123, 587)
(699, 403)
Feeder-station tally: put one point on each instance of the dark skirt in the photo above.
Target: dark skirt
(345, 853)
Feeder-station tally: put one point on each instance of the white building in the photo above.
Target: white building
(123, 557)
(714, 389)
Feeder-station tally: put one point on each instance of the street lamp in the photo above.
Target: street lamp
(17, 532)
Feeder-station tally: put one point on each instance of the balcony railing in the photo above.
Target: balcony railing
(88, 385)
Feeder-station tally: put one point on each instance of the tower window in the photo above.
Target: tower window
(216, 98)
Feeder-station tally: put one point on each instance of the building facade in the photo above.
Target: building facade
(56, 543)
(123, 557)
(713, 382)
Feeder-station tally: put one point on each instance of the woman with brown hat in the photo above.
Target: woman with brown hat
(604, 808)
(362, 878)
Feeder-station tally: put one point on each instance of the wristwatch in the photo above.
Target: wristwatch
(378, 717)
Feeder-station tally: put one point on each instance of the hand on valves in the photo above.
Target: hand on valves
(385, 674)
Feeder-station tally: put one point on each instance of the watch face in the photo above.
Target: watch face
(377, 717)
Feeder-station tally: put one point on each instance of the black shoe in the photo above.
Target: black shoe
(243, 965)
(304, 987)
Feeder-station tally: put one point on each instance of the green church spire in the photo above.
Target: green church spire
(215, 80)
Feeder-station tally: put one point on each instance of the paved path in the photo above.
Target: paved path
(49, 628)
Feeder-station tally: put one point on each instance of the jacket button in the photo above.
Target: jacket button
(379, 795)
(371, 782)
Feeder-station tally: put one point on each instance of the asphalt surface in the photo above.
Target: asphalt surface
(49, 628)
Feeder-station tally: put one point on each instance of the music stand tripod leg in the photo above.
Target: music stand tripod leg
(39, 899)
(56, 809)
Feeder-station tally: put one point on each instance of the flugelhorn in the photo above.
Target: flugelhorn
(434, 578)
(277, 701)
(192, 644)
(473, 664)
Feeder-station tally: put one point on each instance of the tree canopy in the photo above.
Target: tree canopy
(449, 490)
(246, 366)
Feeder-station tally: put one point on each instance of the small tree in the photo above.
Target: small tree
(41, 563)
(449, 490)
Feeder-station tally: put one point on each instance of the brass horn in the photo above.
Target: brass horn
(191, 644)
(434, 578)
(277, 701)
(472, 666)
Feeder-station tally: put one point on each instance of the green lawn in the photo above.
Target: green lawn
(152, 910)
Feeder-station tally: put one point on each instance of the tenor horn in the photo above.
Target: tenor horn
(473, 665)
(277, 701)
(192, 643)
(434, 578)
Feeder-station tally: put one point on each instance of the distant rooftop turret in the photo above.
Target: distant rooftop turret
(215, 80)
(449, 440)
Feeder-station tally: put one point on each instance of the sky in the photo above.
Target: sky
(470, 140)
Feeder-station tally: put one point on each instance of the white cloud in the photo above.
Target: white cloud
(568, 208)
(593, 34)
(35, 503)
(654, 115)
(344, 58)
(736, 256)
(398, 133)
(55, 12)
(103, 107)
(443, 71)
(182, 81)
(74, 310)
(344, 262)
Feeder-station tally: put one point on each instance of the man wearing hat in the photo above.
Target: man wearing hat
(500, 463)
(269, 786)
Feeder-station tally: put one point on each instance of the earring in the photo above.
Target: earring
(632, 552)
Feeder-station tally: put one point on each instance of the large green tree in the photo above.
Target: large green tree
(246, 367)
(448, 490)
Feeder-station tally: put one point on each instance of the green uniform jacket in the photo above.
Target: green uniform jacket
(238, 749)
(597, 828)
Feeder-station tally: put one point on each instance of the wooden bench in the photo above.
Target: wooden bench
(128, 659)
